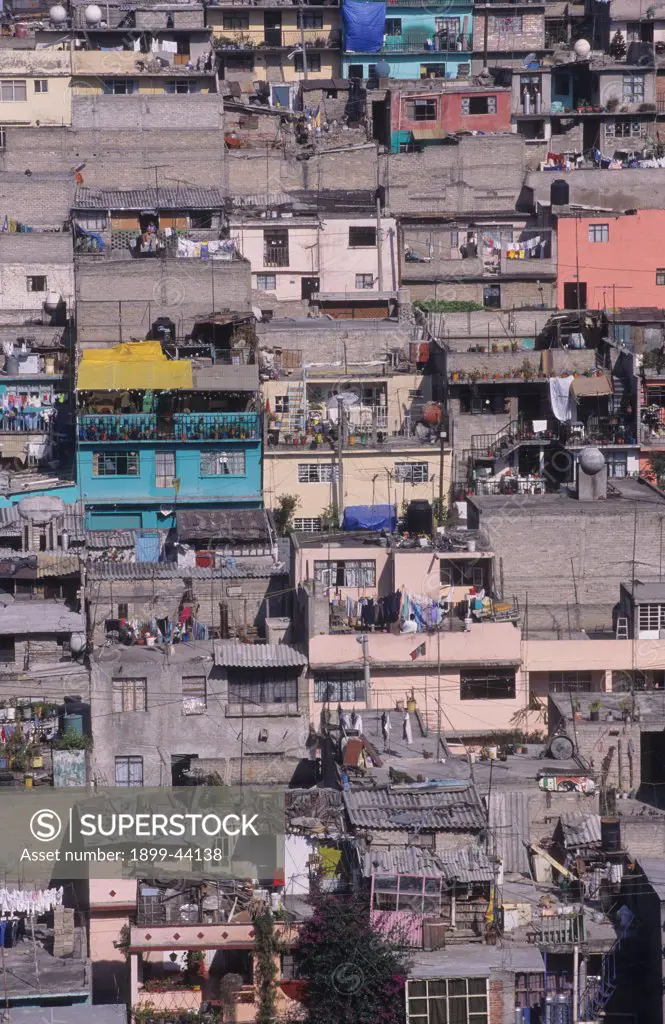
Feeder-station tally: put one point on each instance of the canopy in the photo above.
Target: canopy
(587, 387)
(140, 364)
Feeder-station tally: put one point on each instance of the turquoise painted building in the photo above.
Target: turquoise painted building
(418, 41)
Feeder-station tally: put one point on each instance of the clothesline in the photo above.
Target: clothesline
(27, 901)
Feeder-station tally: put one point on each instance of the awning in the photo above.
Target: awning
(428, 134)
(139, 364)
(587, 387)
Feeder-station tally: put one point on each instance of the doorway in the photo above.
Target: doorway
(574, 295)
(272, 28)
(309, 286)
(181, 763)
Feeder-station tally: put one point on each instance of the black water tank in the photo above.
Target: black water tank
(419, 517)
(610, 835)
(163, 329)
(559, 192)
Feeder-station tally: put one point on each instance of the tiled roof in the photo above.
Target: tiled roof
(383, 809)
(509, 820)
(169, 571)
(188, 198)
(233, 655)
(580, 829)
(469, 864)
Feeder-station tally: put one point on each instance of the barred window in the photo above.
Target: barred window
(346, 574)
(115, 464)
(336, 688)
(222, 463)
(569, 682)
(461, 573)
(421, 110)
(130, 695)
(453, 1000)
(164, 469)
(262, 686)
(235, 21)
(305, 525)
(476, 684)
(194, 695)
(412, 472)
(129, 771)
(316, 472)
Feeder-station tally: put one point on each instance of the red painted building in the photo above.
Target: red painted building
(427, 116)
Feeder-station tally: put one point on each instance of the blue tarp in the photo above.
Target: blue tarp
(364, 25)
(370, 517)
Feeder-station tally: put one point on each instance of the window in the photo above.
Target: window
(307, 525)
(3, 138)
(454, 239)
(492, 296)
(276, 247)
(7, 645)
(346, 573)
(599, 232)
(236, 21)
(130, 695)
(412, 472)
(129, 771)
(461, 574)
(41, 85)
(13, 91)
(262, 686)
(362, 238)
(119, 86)
(449, 1001)
(569, 682)
(313, 62)
(115, 464)
(266, 282)
(478, 684)
(529, 990)
(36, 283)
(617, 464)
(364, 281)
(479, 104)
(627, 128)
(316, 472)
(335, 688)
(201, 219)
(239, 61)
(509, 24)
(281, 403)
(194, 696)
(123, 610)
(222, 463)
(393, 27)
(356, 71)
(421, 110)
(633, 88)
(164, 469)
(651, 617)
(310, 19)
(181, 86)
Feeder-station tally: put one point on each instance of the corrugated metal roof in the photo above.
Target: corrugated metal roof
(384, 809)
(580, 829)
(30, 617)
(110, 539)
(510, 824)
(166, 571)
(475, 960)
(234, 655)
(237, 526)
(188, 198)
(469, 864)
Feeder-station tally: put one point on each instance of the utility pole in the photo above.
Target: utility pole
(302, 42)
(379, 239)
(364, 641)
(576, 983)
(438, 692)
(340, 460)
(442, 439)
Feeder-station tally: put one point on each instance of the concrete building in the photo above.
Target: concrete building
(36, 88)
(428, 113)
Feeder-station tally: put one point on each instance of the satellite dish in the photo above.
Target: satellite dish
(52, 301)
(57, 14)
(40, 508)
(93, 14)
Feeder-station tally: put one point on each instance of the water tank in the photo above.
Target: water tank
(57, 15)
(163, 329)
(382, 69)
(93, 14)
(419, 516)
(610, 835)
(582, 48)
(592, 460)
(77, 642)
(52, 301)
(73, 724)
(559, 192)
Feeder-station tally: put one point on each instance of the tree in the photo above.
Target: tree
(352, 974)
(283, 514)
(618, 48)
(657, 467)
(267, 948)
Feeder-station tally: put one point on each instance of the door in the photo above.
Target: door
(574, 295)
(181, 763)
(272, 28)
(308, 287)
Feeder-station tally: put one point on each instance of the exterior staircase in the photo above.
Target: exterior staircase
(598, 992)
(506, 440)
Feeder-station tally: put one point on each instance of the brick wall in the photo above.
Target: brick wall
(132, 113)
(337, 342)
(643, 838)
(496, 995)
(504, 36)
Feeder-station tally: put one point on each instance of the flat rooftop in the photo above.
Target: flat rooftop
(564, 503)
(32, 972)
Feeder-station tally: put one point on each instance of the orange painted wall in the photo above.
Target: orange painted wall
(628, 260)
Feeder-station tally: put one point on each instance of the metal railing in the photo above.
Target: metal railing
(315, 38)
(275, 256)
(427, 44)
(519, 432)
(208, 426)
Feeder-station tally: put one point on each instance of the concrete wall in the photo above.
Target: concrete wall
(128, 113)
(28, 255)
(508, 34)
(136, 293)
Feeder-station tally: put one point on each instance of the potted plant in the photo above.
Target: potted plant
(594, 711)
(495, 348)
(577, 710)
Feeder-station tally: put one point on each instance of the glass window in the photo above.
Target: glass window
(462, 573)
(222, 463)
(181, 86)
(633, 88)
(316, 472)
(310, 19)
(313, 62)
(451, 1001)
(393, 27)
(412, 472)
(599, 232)
(362, 238)
(479, 104)
(492, 296)
(119, 86)
(346, 574)
(36, 283)
(130, 695)
(13, 91)
(336, 688)
(235, 21)
(262, 686)
(194, 696)
(651, 617)
(569, 682)
(266, 282)
(421, 110)
(164, 469)
(477, 684)
(660, 275)
(364, 281)
(41, 84)
(276, 247)
(305, 525)
(617, 464)
(115, 464)
(129, 771)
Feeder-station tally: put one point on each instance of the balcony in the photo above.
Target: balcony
(479, 268)
(415, 43)
(279, 39)
(598, 430)
(275, 257)
(204, 426)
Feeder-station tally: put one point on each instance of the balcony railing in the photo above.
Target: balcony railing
(427, 44)
(275, 257)
(315, 39)
(205, 426)
(32, 422)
